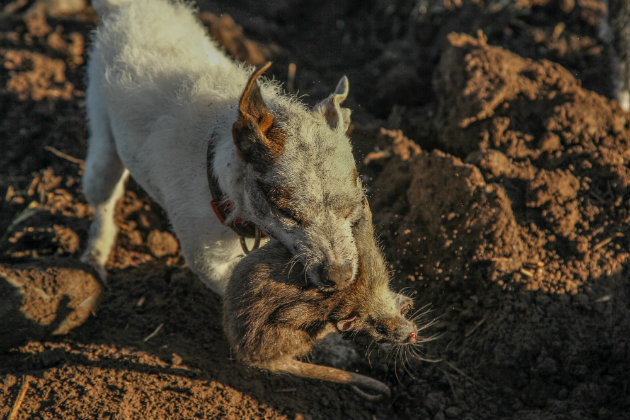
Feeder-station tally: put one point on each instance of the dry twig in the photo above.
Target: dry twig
(20, 398)
(65, 156)
(607, 240)
(291, 77)
(154, 333)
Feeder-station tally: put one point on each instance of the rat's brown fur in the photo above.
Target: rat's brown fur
(273, 317)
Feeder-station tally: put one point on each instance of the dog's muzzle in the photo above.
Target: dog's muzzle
(336, 276)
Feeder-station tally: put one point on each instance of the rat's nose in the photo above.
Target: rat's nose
(340, 274)
(413, 337)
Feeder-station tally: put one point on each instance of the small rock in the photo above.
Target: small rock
(162, 244)
(453, 412)
(57, 8)
(439, 416)
(9, 381)
(135, 238)
(433, 401)
(550, 142)
(176, 359)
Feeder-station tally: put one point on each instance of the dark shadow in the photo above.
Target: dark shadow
(529, 352)
(20, 286)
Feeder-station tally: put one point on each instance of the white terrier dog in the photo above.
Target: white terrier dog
(200, 135)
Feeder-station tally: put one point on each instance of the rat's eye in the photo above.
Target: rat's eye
(405, 308)
(381, 329)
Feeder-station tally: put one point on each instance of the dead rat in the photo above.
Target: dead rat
(272, 316)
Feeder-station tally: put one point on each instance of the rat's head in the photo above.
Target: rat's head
(301, 184)
(369, 306)
(384, 321)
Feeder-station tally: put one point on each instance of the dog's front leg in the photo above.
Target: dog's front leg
(210, 250)
(103, 184)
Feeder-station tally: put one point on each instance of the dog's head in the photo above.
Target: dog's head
(301, 182)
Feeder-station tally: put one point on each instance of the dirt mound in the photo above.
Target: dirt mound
(523, 245)
(466, 219)
(525, 108)
(560, 153)
(542, 197)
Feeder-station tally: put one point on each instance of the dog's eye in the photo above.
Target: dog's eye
(288, 213)
(279, 199)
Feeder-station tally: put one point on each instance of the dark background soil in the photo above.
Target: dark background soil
(498, 173)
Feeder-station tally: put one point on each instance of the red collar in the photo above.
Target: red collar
(223, 209)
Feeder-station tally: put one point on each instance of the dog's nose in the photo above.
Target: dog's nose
(340, 274)
(323, 276)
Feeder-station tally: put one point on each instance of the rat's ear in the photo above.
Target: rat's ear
(256, 135)
(404, 303)
(338, 118)
(347, 324)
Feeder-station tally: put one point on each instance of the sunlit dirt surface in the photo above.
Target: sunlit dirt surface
(496, 167)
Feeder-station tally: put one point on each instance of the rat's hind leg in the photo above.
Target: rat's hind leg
(103, 184)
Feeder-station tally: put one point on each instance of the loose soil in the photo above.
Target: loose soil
(499, 176)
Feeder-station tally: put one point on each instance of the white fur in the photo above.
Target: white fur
(158, 91)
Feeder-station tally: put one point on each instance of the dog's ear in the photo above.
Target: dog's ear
(256, 135)
(338, 118)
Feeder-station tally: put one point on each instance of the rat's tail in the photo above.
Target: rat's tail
(308, 370)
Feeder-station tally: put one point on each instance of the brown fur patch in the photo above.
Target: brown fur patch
(276, 137)
(256, 134)
(389, 324)
(281, 198)
(278, 196)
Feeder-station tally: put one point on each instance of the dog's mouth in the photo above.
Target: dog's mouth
(325, 271)
(314, 275)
